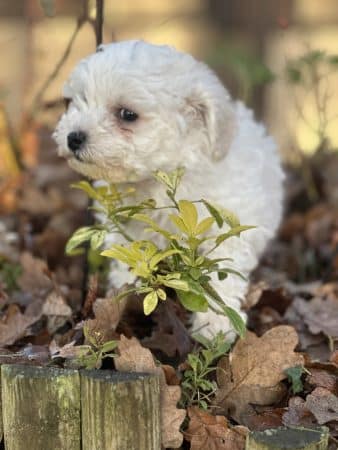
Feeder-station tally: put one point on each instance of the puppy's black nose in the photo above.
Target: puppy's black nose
(75, 140)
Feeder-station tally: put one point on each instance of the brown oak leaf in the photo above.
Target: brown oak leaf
(213, 432)
(135, 358)
(254, 371)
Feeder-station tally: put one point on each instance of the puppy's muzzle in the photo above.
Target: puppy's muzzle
(76, 140)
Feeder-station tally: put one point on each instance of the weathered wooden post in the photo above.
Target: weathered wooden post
(41, 408)
(288, 439)
(120, 411)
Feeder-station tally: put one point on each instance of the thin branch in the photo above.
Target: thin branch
(97, 24)
(99, 21)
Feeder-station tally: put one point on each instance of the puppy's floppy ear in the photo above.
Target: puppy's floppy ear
(213, 105)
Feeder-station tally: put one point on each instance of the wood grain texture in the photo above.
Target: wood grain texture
(120, 411)
(41, 408)
(288, 439)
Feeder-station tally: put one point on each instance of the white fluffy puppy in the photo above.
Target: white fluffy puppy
(135, 107)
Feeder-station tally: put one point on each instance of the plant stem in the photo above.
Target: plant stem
(124, 294)
(121, 231)
(214, 296)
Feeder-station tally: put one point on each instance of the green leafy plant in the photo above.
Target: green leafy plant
(92, 354)
(197, 388)
(309, 75)
(185, 264)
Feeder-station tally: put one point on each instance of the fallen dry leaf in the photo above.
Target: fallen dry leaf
(315, 345)
(334, 358)
(57, 311)
(212, 432)
(135, 358)
(170, 375)
(14, 324)
(107, 316)
(320, 315)
(254, 294)
(93, 286)
(170, 335)
(323, 405)
(298, 414)
(68, 351)
(35, 275)
(253, 373)
(265, 419)
(36, 202)
(55, 305)
(324, 379)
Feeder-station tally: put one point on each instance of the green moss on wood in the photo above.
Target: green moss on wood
(41, 408)
(120, 411)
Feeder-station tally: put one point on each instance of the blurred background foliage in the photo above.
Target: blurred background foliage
(279, 57)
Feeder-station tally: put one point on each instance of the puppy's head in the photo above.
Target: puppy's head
(134, 107)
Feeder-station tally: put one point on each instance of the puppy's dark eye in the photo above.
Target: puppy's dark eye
(127, 115)
(66, 102)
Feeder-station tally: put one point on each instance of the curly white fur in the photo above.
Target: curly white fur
(186, 118)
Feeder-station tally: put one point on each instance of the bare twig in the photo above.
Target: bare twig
(84, 18)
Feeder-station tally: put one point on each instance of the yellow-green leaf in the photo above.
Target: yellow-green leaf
(204, 225)
(146, 219)
(120, 253)
(87, 188)
(160, 256)
(161, 294)
(236, 231)
(97, 239)
(181, 285)
(163, 178)
(179, 223)
(188, 214)
(141, 269)
(176, 176)
(80, 236)
(150, 302)
(229, 217)
(214, 212)
(193, 302)
(236, 320)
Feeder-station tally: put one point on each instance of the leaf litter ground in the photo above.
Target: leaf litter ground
(283, 373)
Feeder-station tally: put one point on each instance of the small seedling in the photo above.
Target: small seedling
(92, 354)
(197, 388)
